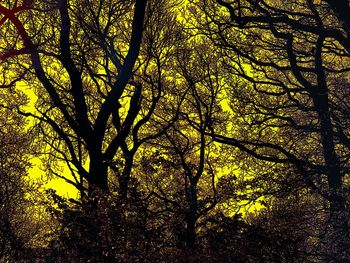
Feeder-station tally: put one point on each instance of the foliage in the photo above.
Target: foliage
(174, 120)
(19, 227)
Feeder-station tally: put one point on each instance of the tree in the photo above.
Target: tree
(98, 82)
(179, 171)
(19, 227)
(99, 70)
(287, 62)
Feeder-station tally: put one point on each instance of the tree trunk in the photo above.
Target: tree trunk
(337, 231)
(190, 235)
(191, 217)
(98, 177)
(124, 179)
(337, 234)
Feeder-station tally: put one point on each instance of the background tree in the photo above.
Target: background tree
(19, 226)
(175, 164)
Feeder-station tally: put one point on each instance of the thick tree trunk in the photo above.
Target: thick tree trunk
(190, 235)
(191, 217)
(337, 234)
(98, 176)
(94, 208)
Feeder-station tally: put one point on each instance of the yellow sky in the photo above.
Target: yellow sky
(37, 172)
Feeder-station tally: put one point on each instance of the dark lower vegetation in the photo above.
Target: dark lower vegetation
(106, 230)
(133, 233)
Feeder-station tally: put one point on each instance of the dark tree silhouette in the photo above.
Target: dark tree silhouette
(94, 96)
(288, 63)
(185, 150)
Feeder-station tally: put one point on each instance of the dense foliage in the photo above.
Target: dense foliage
(213, 131)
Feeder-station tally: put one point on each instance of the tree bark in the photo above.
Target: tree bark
(337, 233)
(191, 217)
